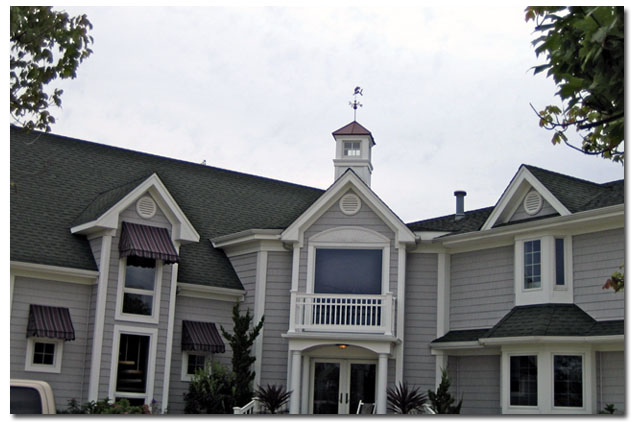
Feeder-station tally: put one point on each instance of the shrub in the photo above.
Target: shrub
(272, 398)
(210, 390)
(441, 400)
(402, 399)
(105, 407)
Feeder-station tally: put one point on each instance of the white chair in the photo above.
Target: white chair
(366, 408)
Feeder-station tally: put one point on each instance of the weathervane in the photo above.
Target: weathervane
(355, 104)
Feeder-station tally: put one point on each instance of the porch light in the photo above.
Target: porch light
(342, 346)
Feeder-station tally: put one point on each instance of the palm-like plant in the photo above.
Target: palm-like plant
(402, 399)
(272, 398)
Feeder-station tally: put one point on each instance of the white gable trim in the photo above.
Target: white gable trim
(515, 192)
(348, 181)
(182, 229)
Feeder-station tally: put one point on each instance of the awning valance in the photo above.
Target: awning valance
(50, 322)
(138, 240)
(201, 336)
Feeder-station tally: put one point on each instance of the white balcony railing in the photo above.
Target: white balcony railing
(343, 313)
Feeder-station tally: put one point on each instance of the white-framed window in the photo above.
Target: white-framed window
(139, 286)
(133, 364)
(191, 362)
(351, 148)
(523, 380)
(568, 380)
(543, 269)
(44, 355)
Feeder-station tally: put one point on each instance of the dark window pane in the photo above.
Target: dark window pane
(326, 388)
(559, 261)
(524, 381)
(137, 304)
(43, 353)
(348, 271)
(140, 274)
(567, 381)
(195, 362)
(132, 363)
(532, 276)
(362, 385)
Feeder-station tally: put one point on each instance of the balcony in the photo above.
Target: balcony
(370, 314)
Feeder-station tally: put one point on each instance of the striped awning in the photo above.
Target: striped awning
(50, 322)
(138, 240)
(201, 336)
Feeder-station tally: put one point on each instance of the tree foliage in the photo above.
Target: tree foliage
(210, 390)
(441, 401)
(242, 361)
(44, 45)
(584, 51)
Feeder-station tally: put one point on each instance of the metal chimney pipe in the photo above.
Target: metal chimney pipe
(459, 194)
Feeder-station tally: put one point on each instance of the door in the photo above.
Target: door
(339, 385)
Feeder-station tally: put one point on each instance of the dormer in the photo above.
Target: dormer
(353, 150)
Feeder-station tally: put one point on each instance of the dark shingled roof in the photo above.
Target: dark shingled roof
(58, 182)
(541, 320)
(353, 129)
(575, 194)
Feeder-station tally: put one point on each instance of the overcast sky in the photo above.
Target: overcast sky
(260, 90)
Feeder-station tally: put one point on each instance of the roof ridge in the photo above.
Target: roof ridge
(563, 175)
(449, 215)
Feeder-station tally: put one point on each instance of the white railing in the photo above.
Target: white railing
(250, 408)
(343, 313)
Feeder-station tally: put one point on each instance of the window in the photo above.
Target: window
(133, 357)
(191, 362)
(44, 355)
(351, 148)
(523, 381)
(567, 381)
(139, 289)
(348, 271)
(559, 261)
(532, 276)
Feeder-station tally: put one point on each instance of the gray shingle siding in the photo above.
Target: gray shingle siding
(72, 381)
(610, 370)
(482, 289)
(201, 310)
(420, 318)
(476, 381)
(276, 322)
(595, 257)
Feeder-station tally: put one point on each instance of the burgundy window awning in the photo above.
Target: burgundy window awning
(50, 322)
(201, 336)
(138, 240)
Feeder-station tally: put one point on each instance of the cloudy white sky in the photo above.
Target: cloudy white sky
(260, 89)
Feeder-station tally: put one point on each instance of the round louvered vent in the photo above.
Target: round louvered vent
(532, 203)
(350, 204)
(146, 207)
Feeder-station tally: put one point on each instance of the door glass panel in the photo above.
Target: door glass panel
(326, 388)
(362, 385)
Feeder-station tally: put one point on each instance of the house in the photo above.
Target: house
(125, 265)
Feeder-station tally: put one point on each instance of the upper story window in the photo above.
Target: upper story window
(351, 148)
(543, 270)
(348, 271)
(139, 286)
(532, 277)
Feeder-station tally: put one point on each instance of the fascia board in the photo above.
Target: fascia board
(612, 214)
(245, 236)
(347, 181)
(523, 175)
(552, 340)
(109, 220)
(56, 273)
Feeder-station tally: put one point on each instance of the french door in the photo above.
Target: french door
(339, 385)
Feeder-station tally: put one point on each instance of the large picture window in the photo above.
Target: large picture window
(348, 271)
(524, 381)
(567, 381)
(133, 359)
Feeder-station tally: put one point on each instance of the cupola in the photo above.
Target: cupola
(353, 150)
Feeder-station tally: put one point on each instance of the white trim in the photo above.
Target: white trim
(348, 181)
(443, 294)
(210, 292)
(98, 326)
(154, 318)
(152, 333)
(249, 241)
(182, 229)
(513, 193)
(56, 367)
(170, 330)
(56, 273)
(400, 312)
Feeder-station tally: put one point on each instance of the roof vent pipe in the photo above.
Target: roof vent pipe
(459, 194)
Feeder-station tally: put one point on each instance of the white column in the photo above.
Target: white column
(305, 385)
(381, 384)
(296, 363)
